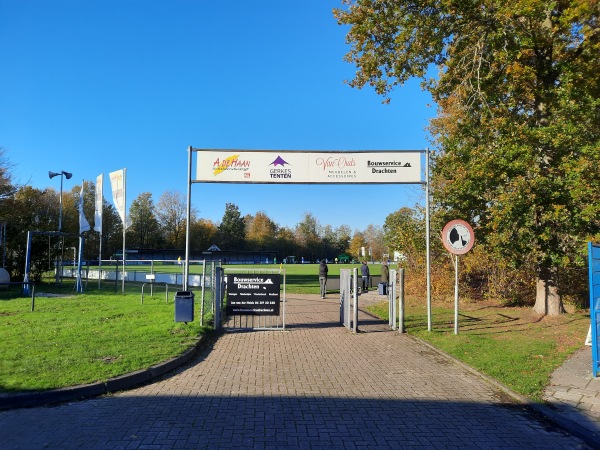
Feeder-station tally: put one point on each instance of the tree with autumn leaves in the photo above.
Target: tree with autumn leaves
(517, 134)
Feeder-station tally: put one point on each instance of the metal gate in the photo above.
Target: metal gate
(256, 309)
(349, 298)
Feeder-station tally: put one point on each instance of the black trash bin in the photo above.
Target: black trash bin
(184, 306)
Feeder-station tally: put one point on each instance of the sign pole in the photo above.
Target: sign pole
(428, 240)
(456, 295)
(458, 238)
(187, 221)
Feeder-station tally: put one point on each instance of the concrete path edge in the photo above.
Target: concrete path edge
(120, 383)
(587, 435)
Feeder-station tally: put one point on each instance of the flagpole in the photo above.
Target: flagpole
(99, 203)
(83, 227)
(100, 262)
(79, 284)
(78, 276)
(124, 229)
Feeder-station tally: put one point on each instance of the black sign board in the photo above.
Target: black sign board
(253, 294)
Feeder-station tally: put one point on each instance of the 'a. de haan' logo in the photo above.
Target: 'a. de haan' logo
(232, 162)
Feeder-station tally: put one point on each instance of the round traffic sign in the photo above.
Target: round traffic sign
(458, 237)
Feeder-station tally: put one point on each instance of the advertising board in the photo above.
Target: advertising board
(253, 294)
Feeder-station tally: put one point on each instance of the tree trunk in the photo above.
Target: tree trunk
(548, 300)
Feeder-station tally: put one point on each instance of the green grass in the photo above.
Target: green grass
(512, 345)
(86, 338)
(95, 336)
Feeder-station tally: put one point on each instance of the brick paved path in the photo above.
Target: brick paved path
(316, 385)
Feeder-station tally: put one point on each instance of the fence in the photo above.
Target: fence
(114, 272)
(204, 282)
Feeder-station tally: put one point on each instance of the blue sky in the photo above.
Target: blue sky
(98, 85)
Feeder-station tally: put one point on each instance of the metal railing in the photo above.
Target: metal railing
(30, 284)
(152, 293)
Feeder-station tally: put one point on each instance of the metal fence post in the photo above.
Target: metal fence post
(401, 300)
(217, 290)
(355, 311)
(391, 294)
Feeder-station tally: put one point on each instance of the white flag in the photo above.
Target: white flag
(99, 203)
(117, 184)
(83, 223)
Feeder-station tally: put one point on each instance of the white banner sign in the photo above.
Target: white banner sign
(255, 166)
(84, 225)
(98, 204)
(117, 184)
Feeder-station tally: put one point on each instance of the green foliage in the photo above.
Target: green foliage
(404, 231)
(260, 232)
(7, 187)
(171, 211)
(232, 230)
(518, 127)
(144, 231)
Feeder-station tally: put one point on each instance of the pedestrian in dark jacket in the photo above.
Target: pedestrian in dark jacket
(323, 269)
(364, 271)
(385, 273)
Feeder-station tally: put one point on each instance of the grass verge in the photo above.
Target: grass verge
(515, 346)
(86, 338)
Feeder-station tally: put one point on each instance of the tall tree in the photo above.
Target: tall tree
(404, 232)
(286, 243)
(307, 236)
(144, 231)
(232, 230)
(260, 231)
(7, 187)
(328, 242)
(29, 209)
(357, 244)
(343, 234)
(171, 211)
(112, 231)
(203, 234)
(518, 127)
(375, 242)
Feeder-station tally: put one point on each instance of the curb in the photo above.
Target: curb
(589, 436)
(120, 383)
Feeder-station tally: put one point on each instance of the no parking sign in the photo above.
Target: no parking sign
(458, 237)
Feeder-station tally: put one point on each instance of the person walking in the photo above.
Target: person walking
(364, 271)
(323, 269)
(385, 277)
(385, 273)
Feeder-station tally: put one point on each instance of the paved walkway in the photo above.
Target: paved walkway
(574, 394)
(315, 385)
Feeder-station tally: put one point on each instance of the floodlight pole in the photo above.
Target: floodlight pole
(52, 175)
(60, 203)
